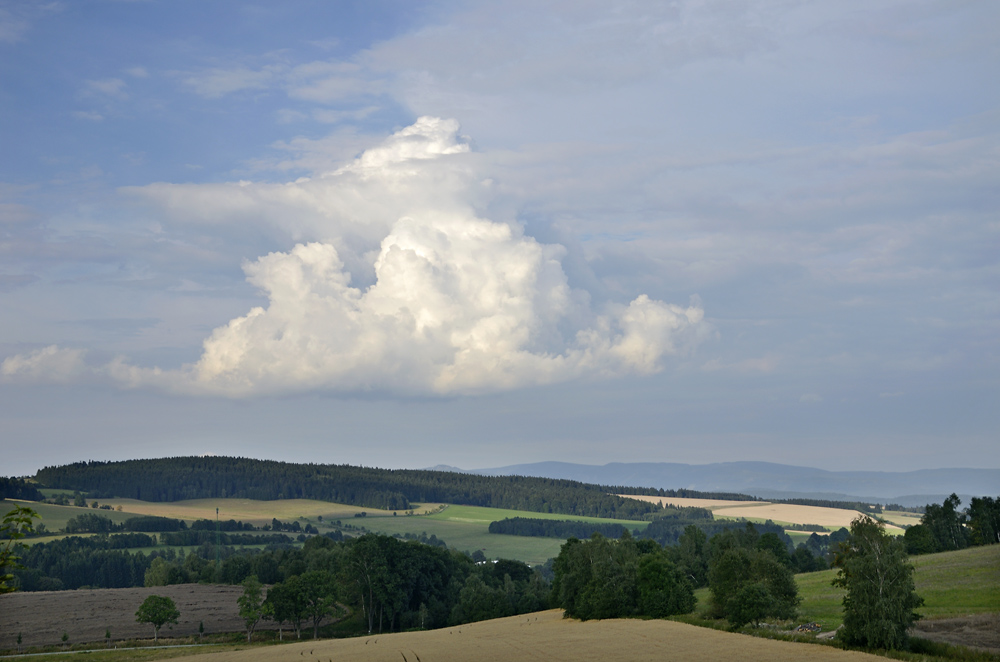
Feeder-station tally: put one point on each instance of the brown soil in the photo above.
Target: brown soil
(977, 631)
(42, 617)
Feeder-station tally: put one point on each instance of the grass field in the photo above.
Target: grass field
(55, 517)
(462, 527)
(901, 518)
(952, 584)
(467, 528)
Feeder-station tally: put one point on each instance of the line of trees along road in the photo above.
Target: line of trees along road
(175, 479)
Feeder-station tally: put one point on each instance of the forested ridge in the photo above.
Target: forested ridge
(175, 479)
(16, 488)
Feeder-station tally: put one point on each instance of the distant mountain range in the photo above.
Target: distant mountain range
(772, 481)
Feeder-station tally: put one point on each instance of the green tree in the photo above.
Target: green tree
(319, 597)
(251, 604)
(16, 524)
(596, 578)
(984, 520)
(772, 543)
(287, 603)
(749, 585)
(692, 555)
(946, 523)
(920, 540)
(878, 607)
(157, 610)
(479, 602)
(663, 588)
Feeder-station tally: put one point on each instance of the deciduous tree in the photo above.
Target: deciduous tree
(878, 607)
(157, 610)
(749, 585)
(16, 524)
(251, 604)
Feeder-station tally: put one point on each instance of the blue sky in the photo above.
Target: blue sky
(404, 234)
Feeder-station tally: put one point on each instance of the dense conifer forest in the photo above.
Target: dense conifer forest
(17, 488)
(175, 479)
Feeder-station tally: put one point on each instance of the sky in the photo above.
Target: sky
(404, 234)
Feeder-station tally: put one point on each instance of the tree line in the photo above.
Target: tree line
(945, 527)
(550, 528)
(94, 523)
(18, 488)
(681, 493)
(173, 479)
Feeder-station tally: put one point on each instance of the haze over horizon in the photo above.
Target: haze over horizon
(406, 234)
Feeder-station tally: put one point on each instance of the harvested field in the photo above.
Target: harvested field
(247, 510)
(42, 617)
(547, 636)
(779, 513)
(978, 631)
(833, 518)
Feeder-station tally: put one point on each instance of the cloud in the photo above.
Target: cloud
(762, 364)
(454, 303)
(16, 18)
(217, 82)
(811, 398)
(52, 364)
(112, 87)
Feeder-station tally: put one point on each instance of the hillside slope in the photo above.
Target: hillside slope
(548, 636)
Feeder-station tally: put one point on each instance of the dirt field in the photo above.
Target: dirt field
(547, 636)
(42, 617)
(979, 631)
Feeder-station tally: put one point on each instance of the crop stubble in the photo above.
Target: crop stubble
(547, 636)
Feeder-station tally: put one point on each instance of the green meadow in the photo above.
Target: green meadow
(467, 528)
(952, 584)
(55, 517)
(464, 528)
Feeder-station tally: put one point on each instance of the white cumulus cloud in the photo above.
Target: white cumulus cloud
(48, 364)
(451, 302)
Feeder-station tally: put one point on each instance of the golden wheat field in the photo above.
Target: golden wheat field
(780, 513)
(248, 510)
(546, 636)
